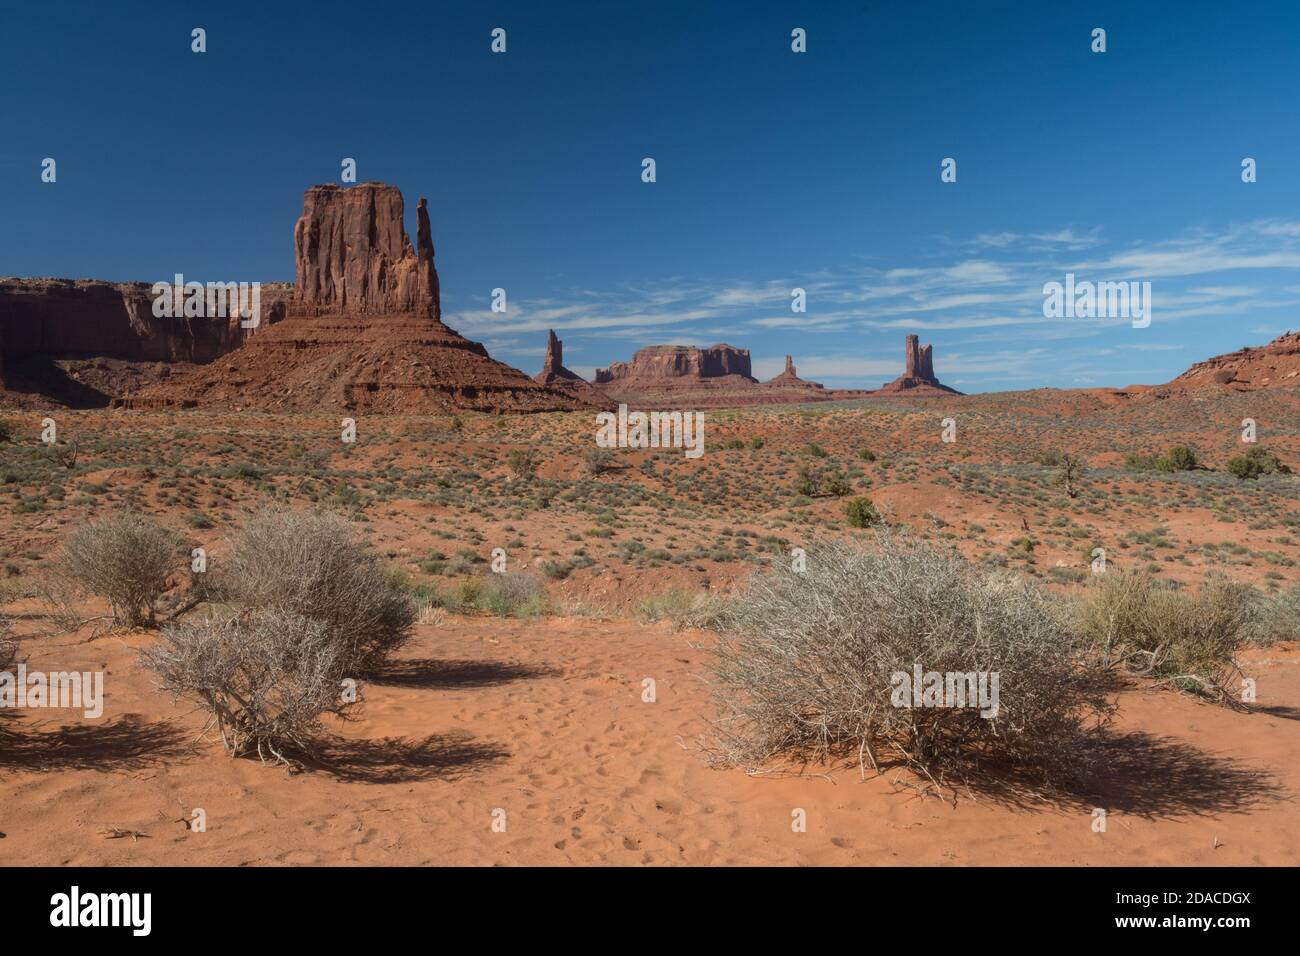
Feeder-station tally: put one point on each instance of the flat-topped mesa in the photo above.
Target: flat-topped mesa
(353, 255)
(680, 363)
(918, 378)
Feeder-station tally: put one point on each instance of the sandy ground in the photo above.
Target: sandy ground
(546, 722)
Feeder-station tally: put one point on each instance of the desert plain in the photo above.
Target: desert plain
(536, 716)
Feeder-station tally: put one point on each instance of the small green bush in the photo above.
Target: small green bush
(861, 512)
(1255, 462)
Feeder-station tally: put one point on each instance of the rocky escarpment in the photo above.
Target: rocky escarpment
(918, 379)
(79, 341)
(1245, 370)
(363, 330)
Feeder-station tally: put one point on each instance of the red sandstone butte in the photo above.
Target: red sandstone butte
(353, 254)
(918, 378)
(789, 378)
(363, 331)
(555, 375)
(684, 364)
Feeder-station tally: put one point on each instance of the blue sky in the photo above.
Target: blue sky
(775, 169)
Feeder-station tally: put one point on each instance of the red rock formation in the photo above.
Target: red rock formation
(553, 366)
(918, 379)
(789, 378)
(85, 317)
(1245, 370)
(353, 254)
(683, 376)
(555, 375)
(363, 332)
(80, 342)
(664, 363)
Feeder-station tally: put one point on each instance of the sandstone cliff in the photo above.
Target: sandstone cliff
(353, 255)
(666, 363)
(80, 342)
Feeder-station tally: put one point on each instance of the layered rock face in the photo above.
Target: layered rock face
(71, 340)
(918, 379)
(353, 255)
(664, 363)
(363, 330)
(1245, 370)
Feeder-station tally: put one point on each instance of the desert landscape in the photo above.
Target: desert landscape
(555, 652)
(448, 448)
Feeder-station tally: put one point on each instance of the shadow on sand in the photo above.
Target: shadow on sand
(1146, 776)
(126, 743)
(395, 760)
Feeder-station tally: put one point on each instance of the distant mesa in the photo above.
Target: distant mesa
(720, 376)
(83, 342)
(918, 378)
(717, 365)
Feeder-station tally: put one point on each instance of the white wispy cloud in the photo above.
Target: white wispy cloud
(988, 292)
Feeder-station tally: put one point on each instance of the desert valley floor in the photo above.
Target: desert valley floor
(542, 716)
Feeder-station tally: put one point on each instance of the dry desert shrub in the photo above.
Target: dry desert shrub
(682, 609)
(8, 648)
(267, 676)
(806, 667)
(512, 594)
(314, 565)
(1187, 640)
(1277, 617)
(597, 461)
(125, 559)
